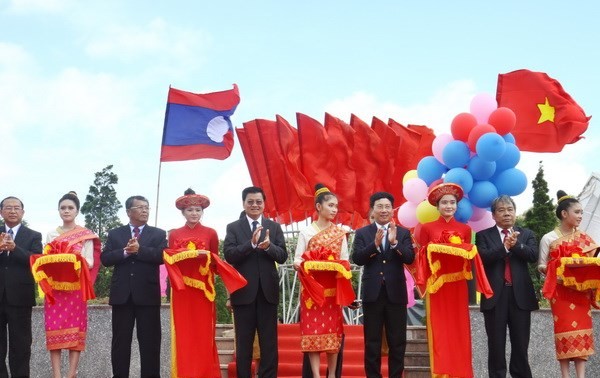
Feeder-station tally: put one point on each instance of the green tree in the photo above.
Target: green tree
(540, 218)
(100, 210)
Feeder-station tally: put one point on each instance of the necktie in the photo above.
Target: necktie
(254, 225)
(136, 232)
(384, 240)
(10, 232)
(507, 272)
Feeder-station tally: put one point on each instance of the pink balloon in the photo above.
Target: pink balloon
(482, 105)
(415, 190)
(478, 213)
(485, 222)
(435, 183)
(438, 145)
(407, 214)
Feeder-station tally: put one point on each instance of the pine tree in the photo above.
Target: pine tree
(540, 218)
(101, 204)
(100, 209)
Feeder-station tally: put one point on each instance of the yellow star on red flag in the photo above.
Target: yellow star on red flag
(546, 112)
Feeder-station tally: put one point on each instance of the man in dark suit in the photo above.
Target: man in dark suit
(383, 248)
(506, 250)
(135, 251)
(253, 244)
(17, 294)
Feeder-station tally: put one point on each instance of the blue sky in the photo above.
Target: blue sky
(84, 84)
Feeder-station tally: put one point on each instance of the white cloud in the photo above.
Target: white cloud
(436, 112)
(155, 40)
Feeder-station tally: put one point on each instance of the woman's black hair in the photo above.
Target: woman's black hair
(564, 203)
(70, 196)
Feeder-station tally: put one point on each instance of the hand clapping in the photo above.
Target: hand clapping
(132, 246)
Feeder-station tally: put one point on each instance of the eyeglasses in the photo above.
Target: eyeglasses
(12, 208)
(141, 208)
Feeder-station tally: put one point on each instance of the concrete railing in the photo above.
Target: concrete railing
(95, 361)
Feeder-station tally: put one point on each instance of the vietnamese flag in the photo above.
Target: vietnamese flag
(547, 117)
(197, 125)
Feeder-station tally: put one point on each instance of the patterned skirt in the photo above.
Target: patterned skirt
(321, 326)
(573, 330)
(66, 321)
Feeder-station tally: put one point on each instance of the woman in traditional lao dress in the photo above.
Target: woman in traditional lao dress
(570, 299)
(192, 261)
(322, 262)
(66, 316)
(444, 266)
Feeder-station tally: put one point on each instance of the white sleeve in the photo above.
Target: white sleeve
(300, 248)
(87, 251)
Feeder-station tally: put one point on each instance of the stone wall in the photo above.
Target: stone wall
(95, 361)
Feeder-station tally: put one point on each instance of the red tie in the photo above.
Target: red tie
(136, 232)
(507, 273)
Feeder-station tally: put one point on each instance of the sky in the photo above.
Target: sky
(83, 84)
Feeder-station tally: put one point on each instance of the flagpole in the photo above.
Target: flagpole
(157, 194)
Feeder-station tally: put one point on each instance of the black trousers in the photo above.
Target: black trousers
(147, 322)
(259, 316)
(17, 320)
(507, 314)
(376, 315)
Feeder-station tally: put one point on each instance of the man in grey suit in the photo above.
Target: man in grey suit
(136, 252)
(253, 244)
(17, 294)
(506, 250)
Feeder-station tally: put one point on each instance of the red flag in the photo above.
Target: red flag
(426, 141)
(340, 137)
(368, 158)
(258, 158)
(547, 117)
(391, 144)
(315, 163)
(406, 158)
(303, 203)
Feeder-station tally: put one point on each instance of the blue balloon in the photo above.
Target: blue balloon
(461, 177)
(490, 146)
(430, 169)
(511, 182)
(509, 138)
(464, 210)
(510, 159)
(481, 169)
(483, 193)
(456, 154)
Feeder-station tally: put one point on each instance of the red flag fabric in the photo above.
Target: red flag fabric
(391, 141)
(341, 143)
(547, 117)
(197, 125)
(314, 163)
(255, 149)
(368, 157)
(303, 203)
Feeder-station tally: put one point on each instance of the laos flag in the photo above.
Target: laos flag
(197, 125)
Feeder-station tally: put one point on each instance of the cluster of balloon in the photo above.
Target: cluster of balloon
(480, 155)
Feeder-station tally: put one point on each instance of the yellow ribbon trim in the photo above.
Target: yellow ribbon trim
(56, 285)
(572, 282)
(330, 292)
(434, 282)
(192, 253)
(197, 284)
(50, 259)
(327, 266)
